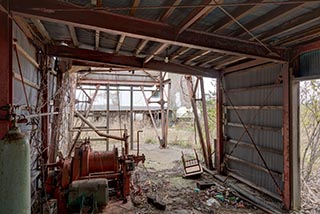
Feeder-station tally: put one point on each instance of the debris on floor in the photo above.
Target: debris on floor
(166, 191)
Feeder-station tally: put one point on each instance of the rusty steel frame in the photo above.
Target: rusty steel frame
(148, 30)
(127, 61)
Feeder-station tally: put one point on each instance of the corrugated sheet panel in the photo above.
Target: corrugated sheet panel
(259, 86)
(310, 65)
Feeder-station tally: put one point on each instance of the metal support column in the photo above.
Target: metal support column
(295, 146)
(131, 117)
(108, 115)
(206, 122)
(5, 65)
(219, 140)
(286, 137)
(163, 122)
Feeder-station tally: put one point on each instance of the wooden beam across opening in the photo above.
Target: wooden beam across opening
(129, 61)
(65, 13)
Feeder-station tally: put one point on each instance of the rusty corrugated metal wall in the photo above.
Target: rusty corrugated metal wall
(254, 97)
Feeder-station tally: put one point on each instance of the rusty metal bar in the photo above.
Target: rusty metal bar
(168, 111)
(219, 142)
(131, 117)
(197, 119)
(163, 120)
(96, 130)
(286, 137)
(206, 122)
(108, 115)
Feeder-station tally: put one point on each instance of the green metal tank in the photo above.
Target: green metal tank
(14, 173)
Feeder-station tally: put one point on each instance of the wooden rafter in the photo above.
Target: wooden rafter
(42, 30)
(296, 39)
(119, 45)
(270, 17)
(291, 25)
(97, 39)
(140, 46)
(196, 56)
(239, 13)
(170, 10)
(212, 59)
(159, 49)
(197, 14)
(229, 61)
(134, 7)
(179, 52)
(74, 37)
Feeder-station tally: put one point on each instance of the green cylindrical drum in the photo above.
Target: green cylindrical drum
(14, 174)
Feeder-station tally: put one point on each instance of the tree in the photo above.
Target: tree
(310, 120)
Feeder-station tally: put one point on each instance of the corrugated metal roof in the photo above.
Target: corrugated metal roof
(309, 65)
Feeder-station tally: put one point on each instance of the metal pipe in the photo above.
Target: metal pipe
(96, 130)
(138, 141)
(131, 117)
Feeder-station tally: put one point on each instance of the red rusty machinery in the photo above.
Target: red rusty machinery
(87, 164)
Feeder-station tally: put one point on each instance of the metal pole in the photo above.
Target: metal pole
(163, 143)
(108, 116)
(219, 141)
(286, 137)
(168, 111)
(131, 117)
(206, 123)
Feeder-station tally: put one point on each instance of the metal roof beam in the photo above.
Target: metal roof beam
(142, 29)
(128, 61)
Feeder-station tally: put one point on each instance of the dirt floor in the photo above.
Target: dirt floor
(160, 179)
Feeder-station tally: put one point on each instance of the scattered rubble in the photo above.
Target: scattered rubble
(166, 191)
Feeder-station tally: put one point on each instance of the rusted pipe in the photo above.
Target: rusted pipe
(96, 130)
(138, 139)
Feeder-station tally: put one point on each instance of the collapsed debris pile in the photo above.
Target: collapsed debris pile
(167, 192)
